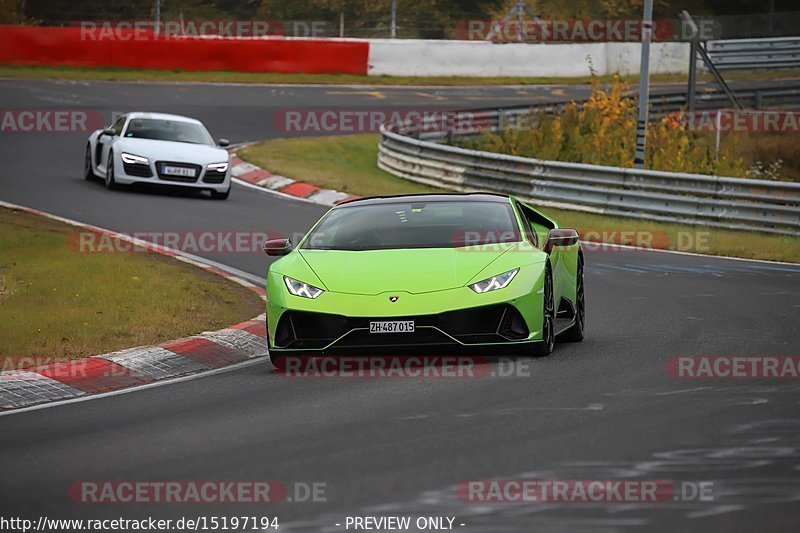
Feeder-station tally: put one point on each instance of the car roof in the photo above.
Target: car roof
(162, 116)
(436, 197)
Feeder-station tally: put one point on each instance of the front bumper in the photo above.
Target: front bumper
(128, 174)
(495, 324)
(454, 320)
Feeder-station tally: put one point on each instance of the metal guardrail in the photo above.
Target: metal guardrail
(726, 202)
(750, 54)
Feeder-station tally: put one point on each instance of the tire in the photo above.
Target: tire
(221, 195)
(88, 171)
(111, 184)
(545, 347)
(576, 332)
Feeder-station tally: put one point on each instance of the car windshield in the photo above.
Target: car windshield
(439, 224)
(167, 130)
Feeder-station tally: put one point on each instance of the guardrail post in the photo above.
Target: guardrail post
(718, 77)
(644, 86)
(690, 90)
(451, 125)
(693, 45)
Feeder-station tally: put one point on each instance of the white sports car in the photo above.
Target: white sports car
(160, 149)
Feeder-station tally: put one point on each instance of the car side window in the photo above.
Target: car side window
(118, 125)
(527, 225)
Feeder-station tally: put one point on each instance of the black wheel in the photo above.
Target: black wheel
(110, 183)
(88, 171)
(221, 195)
(575, 332)
(545, 347)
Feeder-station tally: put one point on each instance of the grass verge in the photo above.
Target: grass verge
(347, 164)
(342, 163)
(59, 303)
(142, 75)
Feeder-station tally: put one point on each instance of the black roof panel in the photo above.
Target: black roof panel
(436, 197)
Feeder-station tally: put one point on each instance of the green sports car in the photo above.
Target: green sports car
(420, 274)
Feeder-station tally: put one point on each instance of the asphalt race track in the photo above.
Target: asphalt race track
(603, 409)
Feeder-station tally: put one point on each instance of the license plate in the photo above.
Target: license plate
(178, 171)
(398, 326)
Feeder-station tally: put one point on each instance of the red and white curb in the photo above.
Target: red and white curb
(255, 175)
(135, 366)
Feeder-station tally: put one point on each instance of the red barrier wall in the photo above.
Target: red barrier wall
(30, 45)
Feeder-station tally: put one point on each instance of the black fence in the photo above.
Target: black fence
(376, 23)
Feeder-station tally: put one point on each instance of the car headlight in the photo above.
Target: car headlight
(304, 290)
(134, 159)
(495, 282)
(218, 167)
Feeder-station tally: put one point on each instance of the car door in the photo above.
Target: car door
(106, 142)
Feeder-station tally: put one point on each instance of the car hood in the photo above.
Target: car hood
(201, 154)
(413, 271)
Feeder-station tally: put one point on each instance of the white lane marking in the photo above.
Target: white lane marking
(692, 254)
(778, 293)
(362, 86)
(514, 410)
(754, 401)
(90, 397)
(716, 510)
(682, 391)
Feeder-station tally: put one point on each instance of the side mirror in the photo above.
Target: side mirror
(109, 131)
(560, 237)
(277, 247)
(223, 142)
